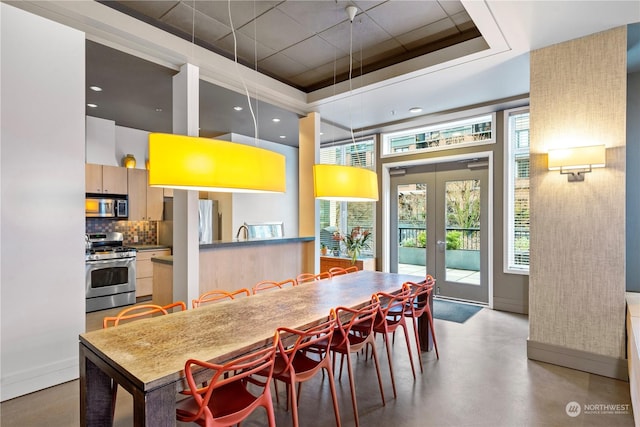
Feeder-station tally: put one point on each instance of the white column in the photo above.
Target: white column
(186, 250)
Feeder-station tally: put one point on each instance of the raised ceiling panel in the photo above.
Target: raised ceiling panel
(384, 32)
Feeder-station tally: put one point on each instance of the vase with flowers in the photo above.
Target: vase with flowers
(354, 242)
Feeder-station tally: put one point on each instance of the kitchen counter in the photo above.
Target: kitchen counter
(255, 242)
(235, 264)
(149, 247)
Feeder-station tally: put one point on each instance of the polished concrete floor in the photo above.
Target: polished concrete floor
(483, 378)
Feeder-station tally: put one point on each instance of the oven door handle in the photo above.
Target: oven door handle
(110, 261)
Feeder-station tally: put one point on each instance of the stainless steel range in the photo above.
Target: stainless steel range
(110, 272)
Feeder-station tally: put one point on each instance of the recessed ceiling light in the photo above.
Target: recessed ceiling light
(158, 110)
(321, 133)
(237, 108)
(95, 88)
(415, 110)
(275, 120)
(282, 137)
(92, 105)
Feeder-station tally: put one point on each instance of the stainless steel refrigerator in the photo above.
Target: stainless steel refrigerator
(208, 222)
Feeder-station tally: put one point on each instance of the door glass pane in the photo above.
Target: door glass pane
(462, 231)
(412, 229)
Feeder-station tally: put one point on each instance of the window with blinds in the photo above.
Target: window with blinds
(517, 193)
(342, 217)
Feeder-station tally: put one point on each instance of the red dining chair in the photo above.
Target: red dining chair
(294, 365)
(228, 399)
(391, 317)
(419, 306)
(270, 284)
(218, 295)
(345, 342)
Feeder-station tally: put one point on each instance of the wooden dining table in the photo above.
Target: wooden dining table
(147, 357)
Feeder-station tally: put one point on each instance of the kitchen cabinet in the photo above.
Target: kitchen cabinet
(327, 262)
(105, 179)
(144, 270)
(145, 203)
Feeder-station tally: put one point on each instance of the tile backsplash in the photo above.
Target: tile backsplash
(146, 231)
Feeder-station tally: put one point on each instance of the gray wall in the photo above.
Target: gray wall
(633, 179)
(510, 291)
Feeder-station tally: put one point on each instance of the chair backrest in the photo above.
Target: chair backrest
(240, 369)
(393, 305)
(310, 277)
(305, 278)
(347, 318)
(420, 294)
(270, 284)
(218, 295)
(323, 275)
(429, 280)
(337, 271)
(139, 311)
(319, 337)
(352, 269)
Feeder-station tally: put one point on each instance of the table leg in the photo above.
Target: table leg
(95, 394)
(156, 408)
(426, 339)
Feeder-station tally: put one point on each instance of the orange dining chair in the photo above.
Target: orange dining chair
(270, 284)
(337, 271)
(228, 399)
(294, 365)
(218, 295)
(345, 342)
(310, 277)
(352, 269)
(136, 312)
(390, 317)
(419, 306)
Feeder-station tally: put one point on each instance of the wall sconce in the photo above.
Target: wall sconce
(576, 161)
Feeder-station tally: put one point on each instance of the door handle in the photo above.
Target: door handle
(441, 245)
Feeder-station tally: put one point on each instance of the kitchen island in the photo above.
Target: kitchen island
(235, 264)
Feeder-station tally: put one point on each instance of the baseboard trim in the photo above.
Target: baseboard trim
(38, 378)
(510, 305)
(577, 359)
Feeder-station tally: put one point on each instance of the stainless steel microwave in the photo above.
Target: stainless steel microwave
(105, 207)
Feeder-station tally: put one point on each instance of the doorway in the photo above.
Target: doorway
(439, 226)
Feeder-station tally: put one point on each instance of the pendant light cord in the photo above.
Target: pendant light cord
(244, 85)
(353, 139)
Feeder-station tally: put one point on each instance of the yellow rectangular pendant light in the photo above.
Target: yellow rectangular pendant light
(345, 183)
(194, 163)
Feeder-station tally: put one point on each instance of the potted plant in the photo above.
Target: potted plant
(323, 249)
(354, 242)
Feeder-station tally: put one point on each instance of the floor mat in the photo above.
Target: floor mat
(453, 311)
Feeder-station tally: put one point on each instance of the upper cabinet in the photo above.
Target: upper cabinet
(105, 179)
(145, 203)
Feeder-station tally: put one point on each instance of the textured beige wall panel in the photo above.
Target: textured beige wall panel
(577, 276)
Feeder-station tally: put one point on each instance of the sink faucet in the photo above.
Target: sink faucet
(246, 232)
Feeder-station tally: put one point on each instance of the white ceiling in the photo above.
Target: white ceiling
(449, 79)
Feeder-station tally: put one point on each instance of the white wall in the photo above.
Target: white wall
(268, 207)
(41, 201)
(132, 141)
(101, 142)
